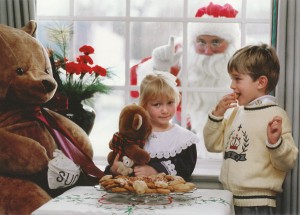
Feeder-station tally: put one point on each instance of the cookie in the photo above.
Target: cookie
(175, 182)
(163, 191)
(191, 185)
(140, 187)
(161, 184)
(129, 187)
(182, 188)
(151, 191)
(118, 190)
(110, 186)
(107, 182)
(106, 177)
(121, 181)
(151, 185)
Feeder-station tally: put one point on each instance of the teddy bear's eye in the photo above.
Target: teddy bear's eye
(20, 71)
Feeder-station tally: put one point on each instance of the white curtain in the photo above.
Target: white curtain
(288, 91)
(16, 13)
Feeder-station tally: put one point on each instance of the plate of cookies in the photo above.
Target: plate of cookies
(160, 184)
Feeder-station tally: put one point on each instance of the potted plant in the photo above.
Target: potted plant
(78, 81)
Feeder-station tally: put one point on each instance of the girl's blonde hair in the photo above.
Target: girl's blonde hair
(158, 85)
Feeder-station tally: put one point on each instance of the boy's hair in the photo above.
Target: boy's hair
(158, 85)
(256, 61)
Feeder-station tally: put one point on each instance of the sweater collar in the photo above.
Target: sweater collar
(263, 100)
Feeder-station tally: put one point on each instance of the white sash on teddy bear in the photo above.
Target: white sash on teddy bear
(62, 171)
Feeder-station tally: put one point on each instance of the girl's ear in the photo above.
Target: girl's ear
(262, 82)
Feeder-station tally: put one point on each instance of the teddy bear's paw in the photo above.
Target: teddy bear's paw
(141, 159)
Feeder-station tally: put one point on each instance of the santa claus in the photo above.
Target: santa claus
(210, 45)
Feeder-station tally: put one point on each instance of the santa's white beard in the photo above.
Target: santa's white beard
(206, 71)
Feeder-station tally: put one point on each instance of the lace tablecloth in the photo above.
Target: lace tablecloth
(89, 200)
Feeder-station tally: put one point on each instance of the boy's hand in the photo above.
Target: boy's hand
(274, 129)
(228, 101)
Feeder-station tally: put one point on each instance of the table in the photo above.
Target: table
(89, 200)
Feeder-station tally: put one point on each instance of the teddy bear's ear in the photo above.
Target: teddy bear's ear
(30, 27)
(137, 121)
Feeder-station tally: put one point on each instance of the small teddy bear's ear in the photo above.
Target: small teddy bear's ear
(137, 122)
(30, 27)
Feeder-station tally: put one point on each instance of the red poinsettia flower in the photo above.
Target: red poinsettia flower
(82, 80)
(87, 49)
(72, 67)
(85, 68)
(85, 59)
(99, 70)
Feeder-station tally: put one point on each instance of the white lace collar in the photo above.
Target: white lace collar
(169, 143)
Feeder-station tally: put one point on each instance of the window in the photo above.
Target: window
(123, 32)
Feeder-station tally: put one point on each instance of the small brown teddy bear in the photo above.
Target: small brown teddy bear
(134, 129)
(26, 144)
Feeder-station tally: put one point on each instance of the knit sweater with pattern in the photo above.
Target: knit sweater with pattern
(252, 169)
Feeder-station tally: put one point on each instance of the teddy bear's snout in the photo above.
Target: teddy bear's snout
(48, 85)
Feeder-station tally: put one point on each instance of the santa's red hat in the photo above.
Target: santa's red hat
(227, 31)
(216, 10)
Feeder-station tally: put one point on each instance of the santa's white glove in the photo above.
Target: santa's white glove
(164, 57)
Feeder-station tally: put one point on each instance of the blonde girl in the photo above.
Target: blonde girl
(172, 148)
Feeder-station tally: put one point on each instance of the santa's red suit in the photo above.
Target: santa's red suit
(202, 70)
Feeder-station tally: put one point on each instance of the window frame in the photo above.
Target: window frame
(185, 20)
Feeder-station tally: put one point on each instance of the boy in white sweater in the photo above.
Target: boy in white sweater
(256, 139)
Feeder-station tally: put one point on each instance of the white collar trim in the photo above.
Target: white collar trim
(267, 99)
(169, 143)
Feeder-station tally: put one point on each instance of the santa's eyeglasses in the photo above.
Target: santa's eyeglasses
(214, 44)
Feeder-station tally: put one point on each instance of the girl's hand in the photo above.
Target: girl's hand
(114, 167)
(144, 170)
(228, 101)
(274, 129)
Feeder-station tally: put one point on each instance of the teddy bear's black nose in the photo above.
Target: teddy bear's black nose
(49, 86)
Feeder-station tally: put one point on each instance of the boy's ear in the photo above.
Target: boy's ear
(262, 82)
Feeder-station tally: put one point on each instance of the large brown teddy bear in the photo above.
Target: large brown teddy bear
(26, 145)
(134, 129)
